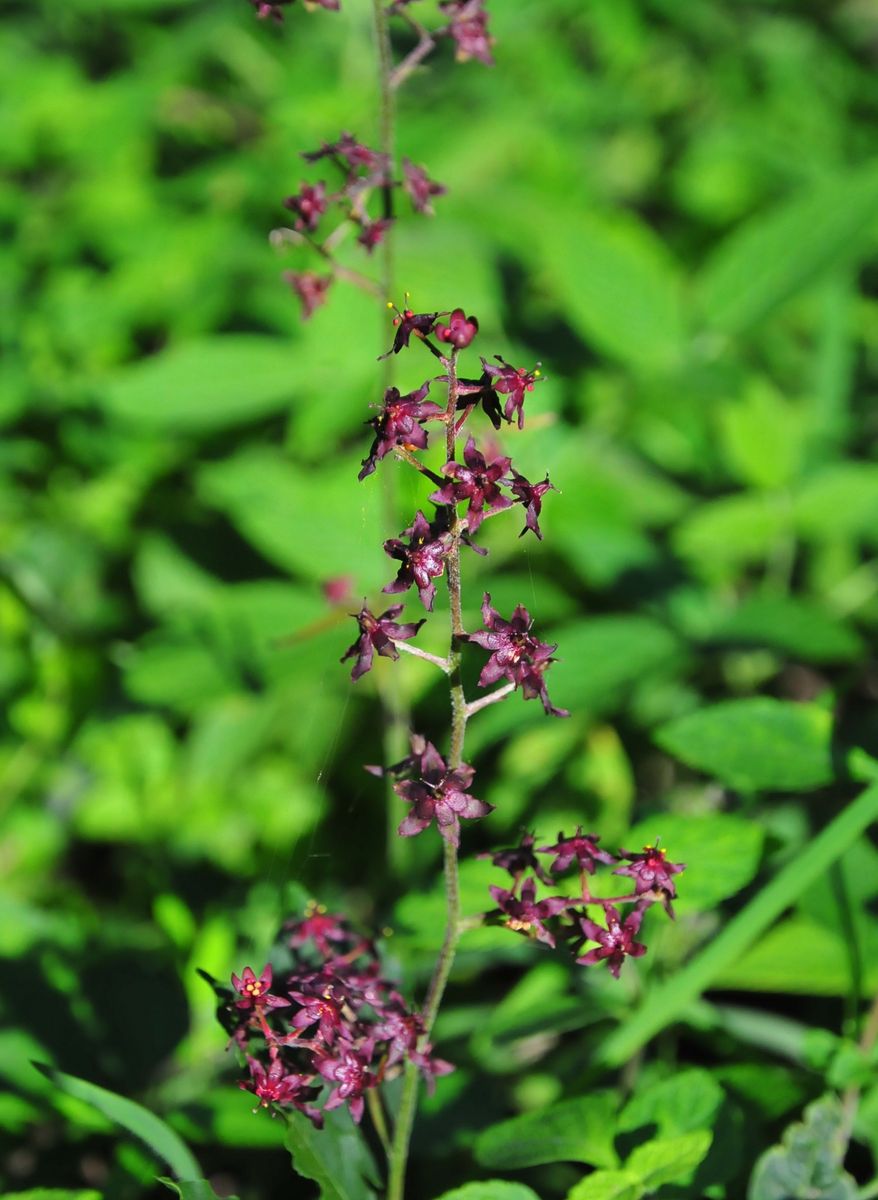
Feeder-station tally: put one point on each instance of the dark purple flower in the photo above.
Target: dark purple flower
(474, 480)
(270, 8)
(322, 1010)
(652, 873)
(581, 849)
(422, 560)
(420, 187)
(519, 859)
(378, 634)
(398, 424)
(408, 323)
(459, 331)
(255, 993)
(278, 1086)
(309, 204)
(479, 391)
(515, 654)
(531, 496)
(349, 1069)
(616, 942)
(438, 794)
(317, 926)
(469, 28)
(512, 382)
(352, 153)
(524, 915)
(372, 232)
(310, 288)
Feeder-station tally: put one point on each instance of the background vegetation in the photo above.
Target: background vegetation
(673, 206)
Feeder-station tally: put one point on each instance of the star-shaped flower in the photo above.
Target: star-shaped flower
(422, 560)
(309, 204)
(531, 496)
(420, 187)
(581, 849)
(616, 942)
(378, 634)
(310, 288)
(652, 873)
(399, 424)
(477, 481)
(525, 914)
(516, 654)
(513, 382)
(437, 793)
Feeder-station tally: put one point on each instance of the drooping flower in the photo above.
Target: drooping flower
(469, 28)
(378, 634)
(519, 859)
(525, 914)
(652, 873)
(310, 288)
(372, 232)
(420, 187)
(516, 654)
(277, 1085)
(581, 849)
(422, 560)
(477, 481)
(531, 496)
(353, 154)
(407, 323)
(398, 424)
(459, 330)
(616, 942)
(437, 793)
(309, 204)
(348, 1068)
(512, 382)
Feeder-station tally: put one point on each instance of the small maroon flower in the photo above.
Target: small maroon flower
(581, 849)
(352, 153)
(477, 481)
(616, 942)
(459, 331)
(255, 993)
(407, 323)
(652, 873)
(519, 859)
(531, 496)
(322, 1010)
(274, 1086)
(512, 382)
(420, 187)
(378, 634)
(469, 28)
(422, 560)
(309, 204)
(515, 654)
(524, 915)
(439, 794)
(398, 424)
(372, 232)
(317, 926)
(349, 1069)
(310, 288)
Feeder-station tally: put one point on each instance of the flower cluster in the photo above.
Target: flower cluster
(467, 27)
(359, 174)
(566, 918)
(327, 1030)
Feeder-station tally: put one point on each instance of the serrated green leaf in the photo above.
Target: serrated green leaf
(776, 254)
(807, 1165)
(150, 1129)
(669, 1160)
(336, 1157)
(576, 1130)
(211, 383)
(759, 744)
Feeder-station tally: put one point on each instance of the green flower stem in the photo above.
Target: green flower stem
(408, 1105)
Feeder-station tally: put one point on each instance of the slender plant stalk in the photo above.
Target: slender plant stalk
(459, 713)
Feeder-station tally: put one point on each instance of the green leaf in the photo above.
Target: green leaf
(608, 1185)
(617, 283)
(491, 1189)
(762, 437)
(158, 1137)
(722, 535)
(839, 502)
(192, 1189)
(759, 744)
(52, 1194)
(664, 1003)
(208, 384)
(669, 1160)
(800, 956)
(686, 1102)
(600, 657)
(776, 254)
(792, 625)
(807, 1165)
(336, 1157)
(577, 1130)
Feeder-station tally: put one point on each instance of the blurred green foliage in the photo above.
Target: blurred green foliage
(674, 207)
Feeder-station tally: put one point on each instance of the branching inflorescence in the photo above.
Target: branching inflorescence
(328, 1030)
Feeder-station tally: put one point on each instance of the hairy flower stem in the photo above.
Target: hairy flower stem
(408, 1104)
